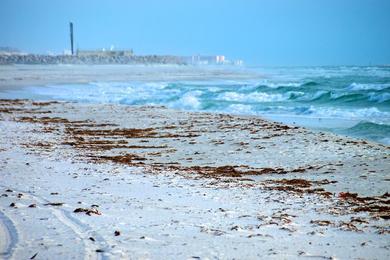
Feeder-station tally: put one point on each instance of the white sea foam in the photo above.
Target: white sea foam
(239, 109)
(251, 97)
(274, 85)
(359, 86)
(372, 113)
(189, 101)
(379, 97)
(313, 96)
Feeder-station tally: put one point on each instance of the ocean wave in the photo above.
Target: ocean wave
(189, 101)
(309, 84)
(379, 98)
(357, 93)
(366, 86)
(370, 130)
(316, 96)
(285, 85)
(372, 113)
(239, 109)
(369, 126)
(325, 96)
(252, 97)
(328, 96)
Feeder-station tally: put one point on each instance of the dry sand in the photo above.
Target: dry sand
(110, 181)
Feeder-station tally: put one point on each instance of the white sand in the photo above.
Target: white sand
(163, 213)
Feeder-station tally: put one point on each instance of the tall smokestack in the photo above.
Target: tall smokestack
(71, 37)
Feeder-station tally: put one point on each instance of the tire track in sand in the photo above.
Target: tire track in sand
(80, 229)
(8, 235)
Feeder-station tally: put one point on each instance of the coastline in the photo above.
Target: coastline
(291, 96)
(220, 184)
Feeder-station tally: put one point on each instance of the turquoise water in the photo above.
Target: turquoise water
(352, 101)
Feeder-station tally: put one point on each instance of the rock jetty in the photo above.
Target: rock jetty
(6, 59)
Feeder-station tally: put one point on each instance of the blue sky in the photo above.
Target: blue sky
(262, 32)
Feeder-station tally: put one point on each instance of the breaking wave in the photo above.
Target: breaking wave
(356, 86)
(357, 93)
(378, 132)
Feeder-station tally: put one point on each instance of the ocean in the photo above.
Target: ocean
(352, 101)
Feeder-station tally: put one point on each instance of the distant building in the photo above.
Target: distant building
(67, 52)
(220, 59)
(207, 60)
(238, 62)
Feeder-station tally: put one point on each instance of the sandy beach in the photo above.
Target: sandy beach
(212, 130)
(111, 181)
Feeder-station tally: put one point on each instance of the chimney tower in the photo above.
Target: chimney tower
(71, 37)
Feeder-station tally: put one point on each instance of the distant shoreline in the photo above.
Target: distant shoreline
(9, 59)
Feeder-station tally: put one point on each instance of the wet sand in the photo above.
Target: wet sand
(17, 76)
(151, 182)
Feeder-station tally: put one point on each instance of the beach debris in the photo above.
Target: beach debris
(377, 206)
(92, 239)
(45, 103)
(343, 225)
(212, 231)
(303, 253)
(42, 120)
(32, 206)
(42, 145)
(235, 228)
(299, 186)
(87, 211)
(13, 205)
(289, 229)
(117, 233)
(56, 204)
(383, 230)
(117, 132)
(9, 190)
(99, 251)
(259, 235)
(226, 170)
(348, 226)
(123, 159)
(321, 222)
(35, 255)
(359, 220)
(348, 196)
(295, 182)
(280, 218)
